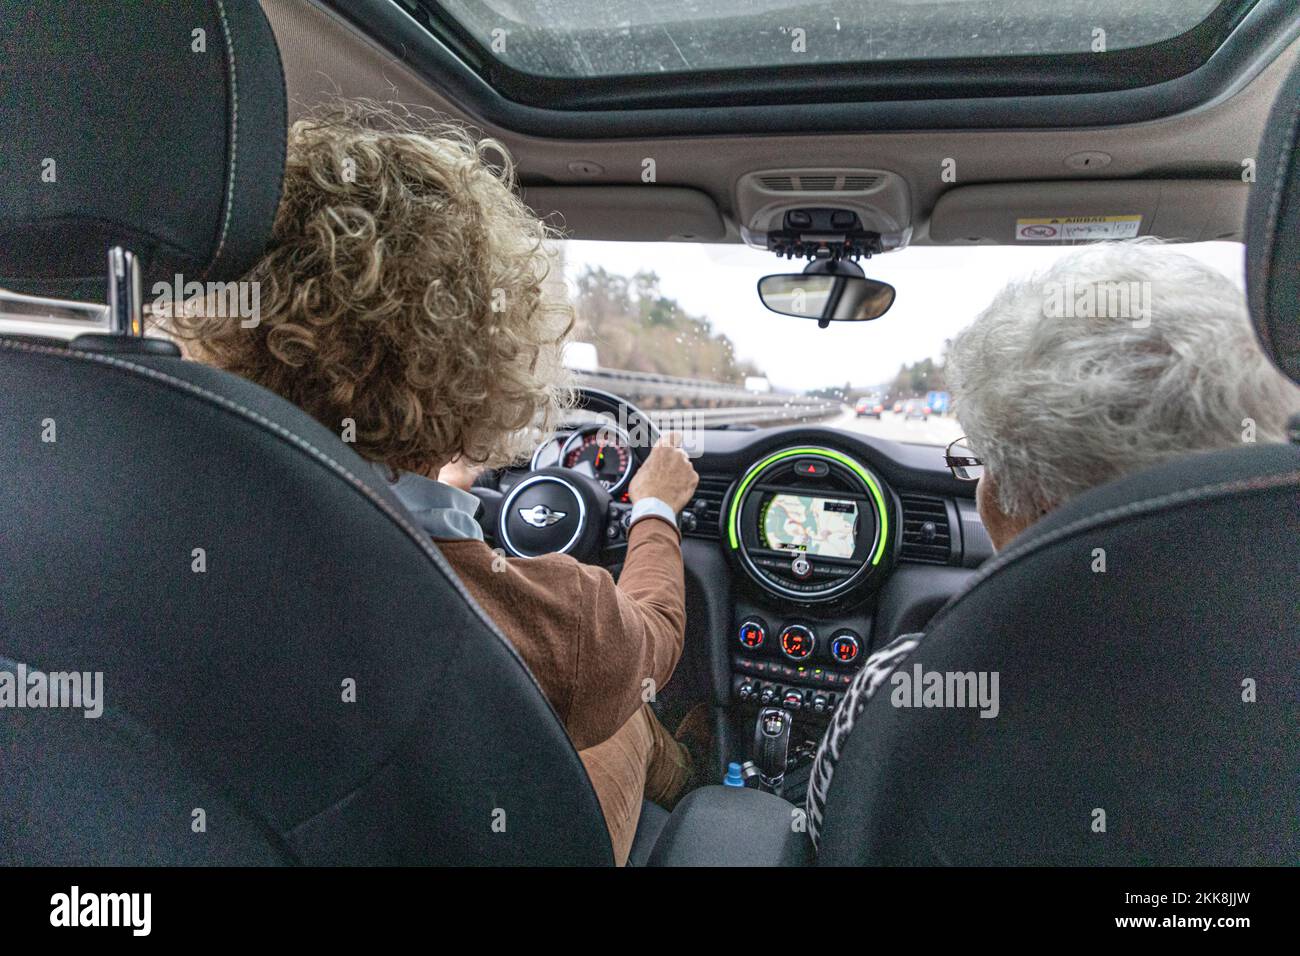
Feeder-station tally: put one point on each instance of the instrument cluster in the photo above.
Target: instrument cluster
(598, 450)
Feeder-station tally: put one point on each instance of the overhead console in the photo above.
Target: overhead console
(778, 208)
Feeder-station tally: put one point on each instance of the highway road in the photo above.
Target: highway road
(936, 430)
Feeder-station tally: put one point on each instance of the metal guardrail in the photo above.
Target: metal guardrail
(692, 389)
(667, 398)
(752, 415)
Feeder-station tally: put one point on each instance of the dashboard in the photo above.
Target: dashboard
(805, 548)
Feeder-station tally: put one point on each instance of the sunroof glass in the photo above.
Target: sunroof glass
(598, 38)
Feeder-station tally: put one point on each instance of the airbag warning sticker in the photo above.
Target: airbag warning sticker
(1077, 228)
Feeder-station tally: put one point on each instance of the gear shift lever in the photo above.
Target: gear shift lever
(771, 746)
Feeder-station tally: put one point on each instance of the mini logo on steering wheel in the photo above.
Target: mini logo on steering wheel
(540, 516)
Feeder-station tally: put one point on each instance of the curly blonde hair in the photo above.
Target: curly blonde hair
(402, 289)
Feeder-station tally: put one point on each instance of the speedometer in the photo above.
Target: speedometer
(600, 451)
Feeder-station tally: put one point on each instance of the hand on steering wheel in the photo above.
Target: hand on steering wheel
(559, 509)
(667, 475)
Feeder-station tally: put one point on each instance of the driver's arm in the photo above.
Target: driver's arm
(599, 650)
(630, 635)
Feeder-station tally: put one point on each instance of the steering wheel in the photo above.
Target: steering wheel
(559, 510)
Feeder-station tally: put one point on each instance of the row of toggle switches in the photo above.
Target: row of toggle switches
(812, 700)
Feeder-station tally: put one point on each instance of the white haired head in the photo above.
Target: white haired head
(1120, 356)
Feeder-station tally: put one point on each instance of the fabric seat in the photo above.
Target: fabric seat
(279, 646)
(1147, 714)
(651, 823)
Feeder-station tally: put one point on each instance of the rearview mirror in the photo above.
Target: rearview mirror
(826, 298)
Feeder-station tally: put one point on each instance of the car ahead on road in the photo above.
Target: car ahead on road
(230, 563)
(868, 408)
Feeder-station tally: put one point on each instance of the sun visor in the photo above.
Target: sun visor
(1057, 212)
(639, 213)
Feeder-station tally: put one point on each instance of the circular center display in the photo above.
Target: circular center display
(818, 526)
(808, 523)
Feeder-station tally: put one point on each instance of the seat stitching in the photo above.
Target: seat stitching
(1149, 505)
(1274, 210)
(234, 138)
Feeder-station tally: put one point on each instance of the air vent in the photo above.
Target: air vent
(711, 490)
(819, 182)
(861, 182)
(927, 537)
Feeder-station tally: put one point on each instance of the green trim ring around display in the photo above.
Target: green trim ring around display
(733, 519)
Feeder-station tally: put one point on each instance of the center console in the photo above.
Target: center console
(812, 532)
(800, 661)
(803, 664)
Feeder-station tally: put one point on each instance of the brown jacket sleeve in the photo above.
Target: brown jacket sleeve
(631, 635)
(591, 645)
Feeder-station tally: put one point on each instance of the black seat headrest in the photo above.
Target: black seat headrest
(1273, 233)
(156, 127)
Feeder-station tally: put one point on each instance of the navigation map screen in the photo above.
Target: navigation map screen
(825, 527)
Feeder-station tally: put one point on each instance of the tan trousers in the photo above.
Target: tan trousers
(641, 760)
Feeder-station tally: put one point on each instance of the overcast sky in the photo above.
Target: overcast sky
(940, 290)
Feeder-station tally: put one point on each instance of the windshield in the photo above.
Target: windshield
(678, 327)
